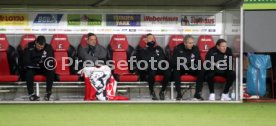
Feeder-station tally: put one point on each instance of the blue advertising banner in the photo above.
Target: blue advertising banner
(123, 20)
(48, 18)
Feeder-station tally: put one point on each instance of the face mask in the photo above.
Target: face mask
(151, 44)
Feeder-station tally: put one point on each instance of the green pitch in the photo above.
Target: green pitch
(247, 114)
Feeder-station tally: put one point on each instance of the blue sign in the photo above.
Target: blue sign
(48, 18)
(123, 20)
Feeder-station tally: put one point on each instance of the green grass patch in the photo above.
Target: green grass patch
(247, 114)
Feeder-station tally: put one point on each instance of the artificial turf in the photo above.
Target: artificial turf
(246, 114)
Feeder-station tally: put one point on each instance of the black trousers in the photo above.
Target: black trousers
(30, 73)
(198, 73)
(230, 76)
(151, 75)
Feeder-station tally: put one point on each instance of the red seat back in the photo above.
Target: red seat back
(119, 46)
(174, 41)
(204, 43)
(60, 44)
(25, 39)
(83, 41)
(4, 63)
(142, 42)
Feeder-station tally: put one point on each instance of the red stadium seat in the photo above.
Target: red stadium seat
(174, 41)
(61, 44)
(5, 73)
(204, 43)
(26, 39)
(119, 46)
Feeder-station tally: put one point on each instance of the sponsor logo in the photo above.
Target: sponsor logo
(178, 39)
(51, 29)
(120, 39)
(197, 20)
(35, 29)
(116, 30)
(123, 20)
(84, 30)
(67, 30)
(84, 19)
(44, 29)
(58, 39)
(27, 29)
(203, 30)
(205, 40)
(188, 30)
(13, 19)
(29, 39)
(212, 30)
(132, 30)
(48, 18)
(160, 18)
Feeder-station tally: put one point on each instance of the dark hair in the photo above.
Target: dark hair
(90, 34)
(220, 41)
(149, 34)
(187, 37)
(40, 40)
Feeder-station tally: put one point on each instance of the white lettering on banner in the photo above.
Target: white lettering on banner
(2, 38)
(206, 40)
(177, 39)
(123, 23)
(124, 18)
(60, 38)
(119, 39)
(31, 39)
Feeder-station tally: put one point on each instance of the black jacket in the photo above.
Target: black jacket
(219, 56)
(192, 55)
(147, 53)
(34, 58)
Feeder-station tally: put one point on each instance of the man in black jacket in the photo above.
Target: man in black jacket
(221, 64)
(153, 51)
(190, 55)
(35, 56)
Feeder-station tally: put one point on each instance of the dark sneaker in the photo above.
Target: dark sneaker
(179, 96)
(34, 97)
(197, 97)
(162, 95)
(47, 96)
(153, 96)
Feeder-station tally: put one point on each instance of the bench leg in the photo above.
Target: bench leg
(37, 88)
(172, 93)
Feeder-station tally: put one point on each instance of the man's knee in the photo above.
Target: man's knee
(29, 74)
(210, 76)
(231, 75)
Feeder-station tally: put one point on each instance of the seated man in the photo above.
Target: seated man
(187, 51)
(221, 59)
(155, 52)
(92, 51)
(34, 57)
